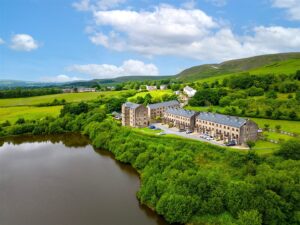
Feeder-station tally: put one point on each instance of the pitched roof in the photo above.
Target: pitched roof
(222, 119)
(131, 105)
(181, 112)
(188, 88)
(163, 104)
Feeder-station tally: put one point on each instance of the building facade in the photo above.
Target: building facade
(190, 92)
(151, 88)
(180, 118)
(134, 115)
(157, 110)
(226, 128)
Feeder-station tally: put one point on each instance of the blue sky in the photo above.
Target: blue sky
(64, 40)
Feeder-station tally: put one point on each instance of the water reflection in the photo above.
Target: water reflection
(64, 181)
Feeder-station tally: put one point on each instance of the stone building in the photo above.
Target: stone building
(134, 115)
(180, 118)
(190, 92)
(158, 109)
(226, 128)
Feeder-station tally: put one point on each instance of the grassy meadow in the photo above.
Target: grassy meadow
(12, 109)
(69, 97)
(156, 95)
(12, 114)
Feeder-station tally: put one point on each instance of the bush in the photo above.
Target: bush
(290, 149)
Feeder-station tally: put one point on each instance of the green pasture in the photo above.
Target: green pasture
(27, 112)
(156, 95)
(69, 97)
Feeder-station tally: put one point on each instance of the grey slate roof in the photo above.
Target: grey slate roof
(222, 119)
(181, 112)
(163, 104)
(131, 105)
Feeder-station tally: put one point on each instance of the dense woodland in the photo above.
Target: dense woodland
(187, 181)
(267, 96)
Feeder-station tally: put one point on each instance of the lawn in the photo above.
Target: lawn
(69, 97)
(156, 95)
(286, 125)
(27, 112)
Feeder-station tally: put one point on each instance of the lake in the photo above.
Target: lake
(62, 180)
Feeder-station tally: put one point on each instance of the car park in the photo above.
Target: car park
(231, 143)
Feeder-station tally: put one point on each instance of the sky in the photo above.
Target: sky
(69, 40)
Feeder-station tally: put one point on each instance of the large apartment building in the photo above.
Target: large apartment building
(226, 128)
(157, 110)
(134, 115)
(180, 118)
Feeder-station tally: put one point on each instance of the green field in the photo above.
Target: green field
(156, 95)
(27, 112)
(286, 125)
(69, 97)
(14, 108)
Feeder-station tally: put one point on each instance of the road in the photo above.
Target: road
(194, 136)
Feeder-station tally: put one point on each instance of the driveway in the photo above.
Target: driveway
(194, 136)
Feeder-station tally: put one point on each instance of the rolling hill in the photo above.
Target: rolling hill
(274, 63)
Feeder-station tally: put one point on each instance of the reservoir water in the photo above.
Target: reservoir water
(62, 180)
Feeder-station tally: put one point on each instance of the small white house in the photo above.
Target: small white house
(163, 87)
(189, 91)
(151, 88)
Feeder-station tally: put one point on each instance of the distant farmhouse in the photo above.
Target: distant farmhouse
(80, 90)
(134, 115)
(181, 118)
(226, 128)
(151, 88)
(158, 109)
(163, 87)
(190, 92)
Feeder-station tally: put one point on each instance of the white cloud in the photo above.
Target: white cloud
(191, 4)
(60, 79)
(1, 41)
(87, 5)
(188, 33)
(128, 68)
(23, 42)
(83, 5)
(291, 6)
(218, 3)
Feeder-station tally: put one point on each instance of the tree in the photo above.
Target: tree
(297, 75)
(293, 115)
(278, 127)
(271, 94)
(290, 149)
(267, 126)
(20, 121)
(251, 217)
(250, 144)
(147, 99)
(297, 96)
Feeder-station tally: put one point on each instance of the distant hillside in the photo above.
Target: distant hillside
(112, 82)
(28, 84)
(261, 64)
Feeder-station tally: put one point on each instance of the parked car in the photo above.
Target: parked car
(157, 128)
(152, 127)
(189, 132)
(231, 143)
(209, 138)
